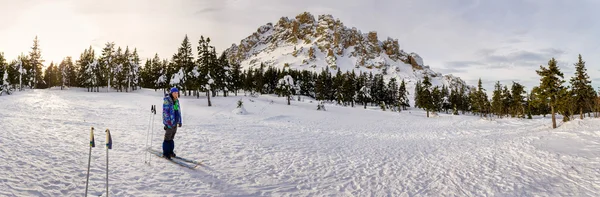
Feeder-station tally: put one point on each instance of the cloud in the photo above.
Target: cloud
(208, 10)
(451, 70)
(496, 59)
(514, 41)
(462, 64)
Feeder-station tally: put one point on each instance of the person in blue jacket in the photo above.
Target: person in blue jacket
(171, 120)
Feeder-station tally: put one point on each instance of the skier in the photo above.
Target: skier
(171, 120)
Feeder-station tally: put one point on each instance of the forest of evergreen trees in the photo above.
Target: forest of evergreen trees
(206, 72)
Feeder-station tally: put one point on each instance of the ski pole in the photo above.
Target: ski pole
(92, 144)
(148, 133)
(108, 146)
(152, 129)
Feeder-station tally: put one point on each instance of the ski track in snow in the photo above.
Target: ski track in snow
(280, 150)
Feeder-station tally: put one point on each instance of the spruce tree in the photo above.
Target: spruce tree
(403, 95)
(417, 97)
(518, 100)
(581, 87)
(425, 96)
(565, 103)
(436, 99)
(134, 71)
(236, 77)
(3, 74)
(551, 85)
(49, 76)
(158, 73)
(71, 70)
(497, 104)
(36, 64)
(183, 64)
(446, 99)
(88, 67)
(107, 65)
(506, 101)
(145, 74)
(392, 93)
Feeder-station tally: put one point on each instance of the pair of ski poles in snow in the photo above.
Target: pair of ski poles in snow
(150, 134)
(93, 144)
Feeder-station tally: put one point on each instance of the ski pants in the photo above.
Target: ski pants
(170, 133)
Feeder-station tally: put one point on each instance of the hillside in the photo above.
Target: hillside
(312, 44)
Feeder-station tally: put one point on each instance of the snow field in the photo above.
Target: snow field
(280, 150)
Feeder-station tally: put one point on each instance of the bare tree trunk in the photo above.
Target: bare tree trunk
(581, 113)
(553, 117)
(208, 96)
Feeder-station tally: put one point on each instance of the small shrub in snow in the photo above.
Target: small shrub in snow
(321, 106)
(240, 104)
(382, 105)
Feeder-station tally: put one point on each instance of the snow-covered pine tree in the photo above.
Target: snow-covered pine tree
(35, 62)
(392, 93)
(88, 70)
(125, 75)
(71, 73)
(4, 84)
(364, 95)
(22, 69)
(159, 75)
(208, 87)
(134, 79)
(119, 75)
(286, 86)
(446, 99)
(183, 63)
(107, 65)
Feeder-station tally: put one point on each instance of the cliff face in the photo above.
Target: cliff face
(306, 42)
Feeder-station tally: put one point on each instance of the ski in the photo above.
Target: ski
(190, 161)
(201, 163)
(175, 160)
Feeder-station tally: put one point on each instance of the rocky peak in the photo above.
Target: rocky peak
(304, 42)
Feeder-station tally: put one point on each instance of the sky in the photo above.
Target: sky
(493, 40)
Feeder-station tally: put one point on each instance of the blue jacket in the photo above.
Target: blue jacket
(171, 117)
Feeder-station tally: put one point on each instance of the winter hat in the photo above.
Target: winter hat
(174, 89)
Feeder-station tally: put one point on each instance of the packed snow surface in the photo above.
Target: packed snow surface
(281, 150)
